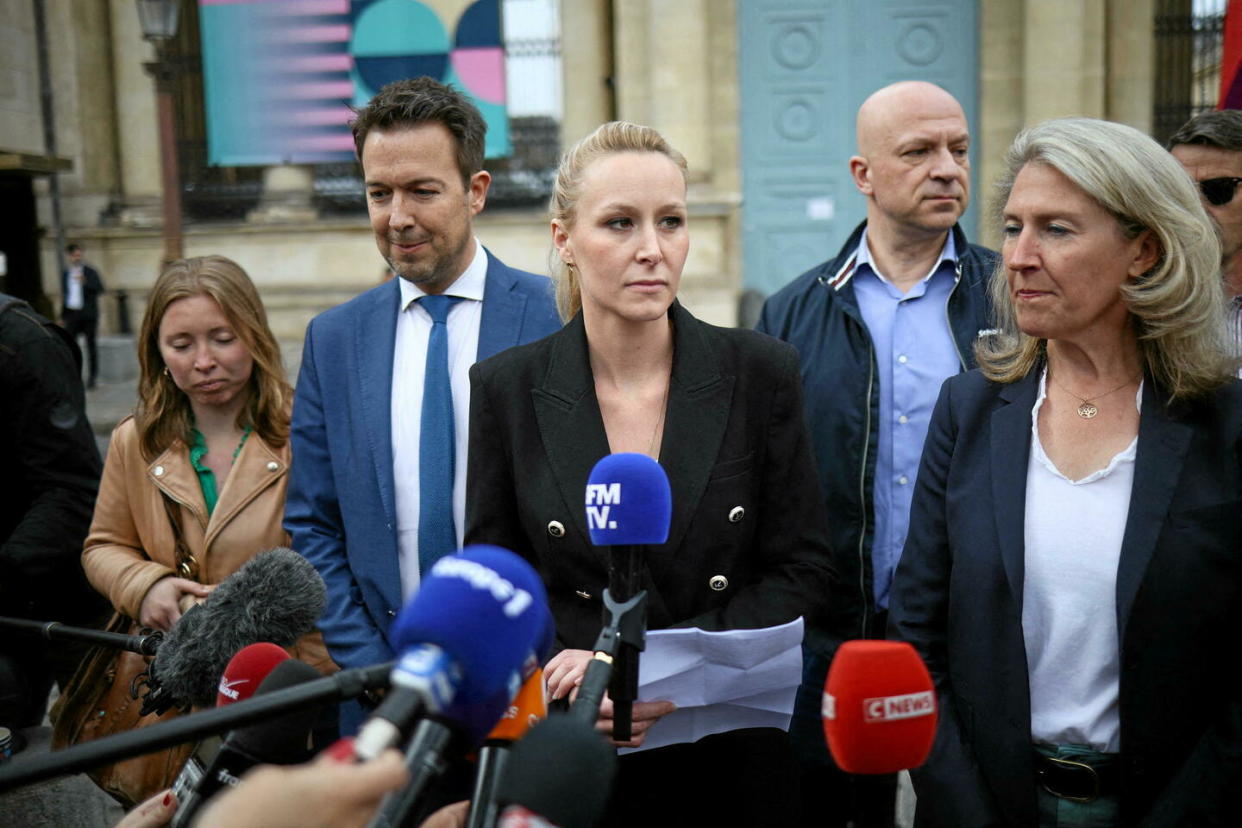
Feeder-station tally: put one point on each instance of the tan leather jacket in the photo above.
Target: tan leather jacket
(131, 544)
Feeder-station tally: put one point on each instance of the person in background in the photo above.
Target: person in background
(1209, 146)
(877, 329)
(80, 286)
(720, 408)
(1073, 572)
(50, 466)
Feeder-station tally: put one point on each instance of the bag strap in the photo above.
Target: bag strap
(187, 564)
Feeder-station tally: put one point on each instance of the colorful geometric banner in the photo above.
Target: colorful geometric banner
(279, 76)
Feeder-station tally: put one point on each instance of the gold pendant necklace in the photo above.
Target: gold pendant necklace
(1086, 408)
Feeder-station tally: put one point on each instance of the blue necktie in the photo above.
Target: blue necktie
(437, 536)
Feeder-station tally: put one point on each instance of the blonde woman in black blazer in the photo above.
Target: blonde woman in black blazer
(1086, 657)
(722, 411)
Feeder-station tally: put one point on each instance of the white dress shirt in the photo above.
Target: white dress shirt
(409, 366)
(73, 287)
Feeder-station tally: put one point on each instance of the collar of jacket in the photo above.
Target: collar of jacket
(842, 267)
(256, 467)
(569, 368)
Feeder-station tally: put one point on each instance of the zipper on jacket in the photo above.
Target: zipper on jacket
(957, 267)
(862, 492)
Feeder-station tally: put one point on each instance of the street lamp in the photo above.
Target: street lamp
(159, 25)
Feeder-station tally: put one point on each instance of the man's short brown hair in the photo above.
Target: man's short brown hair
(414, 101)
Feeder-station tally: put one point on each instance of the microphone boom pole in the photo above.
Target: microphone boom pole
(343, 685)
(55, 631)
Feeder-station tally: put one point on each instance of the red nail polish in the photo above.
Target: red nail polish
(168, 797)
(342, 750)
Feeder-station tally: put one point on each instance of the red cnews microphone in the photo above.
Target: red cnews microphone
(879, 707)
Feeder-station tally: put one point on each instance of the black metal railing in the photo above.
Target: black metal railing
(1188, 38)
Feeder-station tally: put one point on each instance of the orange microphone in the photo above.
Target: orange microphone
(527, 708)
(879, 707)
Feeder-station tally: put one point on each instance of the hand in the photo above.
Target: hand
(161, 607)
(564, 672)
(450, 816)
(643, 716)
(156, 812)
(563, 675)
(326, 792)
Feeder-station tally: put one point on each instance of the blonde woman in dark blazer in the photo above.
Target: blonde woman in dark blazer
(1073, 572)
(722, 411)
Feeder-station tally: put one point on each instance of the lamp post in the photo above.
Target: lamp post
(159, 26)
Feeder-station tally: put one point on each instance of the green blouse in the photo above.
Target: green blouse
(207, 478)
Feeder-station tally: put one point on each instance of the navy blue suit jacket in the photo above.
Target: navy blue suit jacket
(957, 597)
(341, 509)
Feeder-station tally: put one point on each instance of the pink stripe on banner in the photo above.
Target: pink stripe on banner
(342, 142)
(316, 34)
(319, 117)
(327, 89)
(312, 7)
(289, 6)
(317, 63)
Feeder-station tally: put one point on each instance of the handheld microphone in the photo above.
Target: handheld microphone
(280, 740)
(247, 670)
(276, 596)
(562, 771)
(629, 504)
(464, 637)
(461, 727)
(879, 707)
(241, 679)
(528, 707)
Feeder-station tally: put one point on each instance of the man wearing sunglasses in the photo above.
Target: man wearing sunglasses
(1209, 146)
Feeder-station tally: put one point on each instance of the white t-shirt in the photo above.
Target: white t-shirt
(1073, 535)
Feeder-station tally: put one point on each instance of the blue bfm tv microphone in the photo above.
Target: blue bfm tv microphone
(629, 504)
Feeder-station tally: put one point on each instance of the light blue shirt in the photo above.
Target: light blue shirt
(914, 354)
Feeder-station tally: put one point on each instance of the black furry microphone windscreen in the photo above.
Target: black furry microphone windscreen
(276, 596)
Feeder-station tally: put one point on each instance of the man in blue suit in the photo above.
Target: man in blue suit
(377, 487)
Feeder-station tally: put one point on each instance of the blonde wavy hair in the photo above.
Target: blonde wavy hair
(610, 138)
(163, 415)
(1177, 308)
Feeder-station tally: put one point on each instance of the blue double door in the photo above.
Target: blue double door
(805, 67)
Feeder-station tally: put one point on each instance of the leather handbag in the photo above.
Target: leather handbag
(102, 699)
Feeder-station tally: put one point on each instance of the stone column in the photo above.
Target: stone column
(586, 68)
(287, 192)
(1064, 59)
(137, 133)
(1131, 62)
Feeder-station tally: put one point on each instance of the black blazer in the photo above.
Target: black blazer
(734, 436)
(958, 598)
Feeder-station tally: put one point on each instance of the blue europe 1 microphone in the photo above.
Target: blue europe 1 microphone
(464, 637)
(629, 504)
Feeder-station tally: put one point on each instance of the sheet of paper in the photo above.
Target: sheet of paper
(719, 680)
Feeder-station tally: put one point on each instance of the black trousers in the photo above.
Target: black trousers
(832, 798)
(744, 778)
(78, 324)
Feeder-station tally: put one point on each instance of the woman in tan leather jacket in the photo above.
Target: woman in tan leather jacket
(208, 448)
